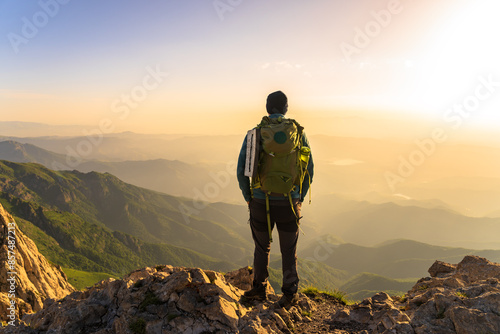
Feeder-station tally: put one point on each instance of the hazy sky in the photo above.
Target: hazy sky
(190, 66)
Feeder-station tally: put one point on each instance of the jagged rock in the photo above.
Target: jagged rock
(463, 298)
(469, 305)
(477, 268)
(440, 268)
(379, 312)
(35, 278)
(162, 299)
(243, 278)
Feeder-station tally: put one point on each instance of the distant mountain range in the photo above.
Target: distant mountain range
(389, 217)
(396, 259)
(17, 152)
(362, 222)
(131, 146)
(168, 176)
(465, 177)
(366, 285)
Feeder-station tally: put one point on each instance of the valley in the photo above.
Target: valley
(116, 212)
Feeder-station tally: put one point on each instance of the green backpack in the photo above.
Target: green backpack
(282, 160)
(279, 166)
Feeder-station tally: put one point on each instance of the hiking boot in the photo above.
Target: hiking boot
(256, 293)
(286, 301)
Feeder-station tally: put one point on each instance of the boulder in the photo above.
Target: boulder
(439, 269)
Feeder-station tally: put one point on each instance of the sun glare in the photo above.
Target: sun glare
(463, 51)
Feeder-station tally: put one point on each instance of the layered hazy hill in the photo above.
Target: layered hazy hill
(464, 176)
(201, 181)
(385, 216)
(368, 223)
(396, 259)
(17, 152)
(105, 200)
(95, 222)
(132, 146)
(392, 266)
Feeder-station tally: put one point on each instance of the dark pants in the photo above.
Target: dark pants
(283, 217)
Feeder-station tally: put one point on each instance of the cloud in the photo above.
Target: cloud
(284, 64)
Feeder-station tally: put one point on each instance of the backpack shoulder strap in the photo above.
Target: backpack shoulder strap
(300, 128)
(266, 120)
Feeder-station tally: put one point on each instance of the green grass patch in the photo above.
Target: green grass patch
(138, 326)
(82, 279)
(401, 298)
(336, 294)
(341, 296)
(311, 291)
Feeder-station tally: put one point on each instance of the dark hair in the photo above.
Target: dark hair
(277, 103)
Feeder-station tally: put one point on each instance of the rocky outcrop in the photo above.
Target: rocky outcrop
(378, 314)
(164, 299)
(26, 277)
(463, 298)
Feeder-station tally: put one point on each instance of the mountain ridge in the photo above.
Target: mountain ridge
(393, 221)
(105, 200)
(397, 259)
(173, 177)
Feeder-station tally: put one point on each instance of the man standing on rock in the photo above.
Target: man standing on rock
(275, 170)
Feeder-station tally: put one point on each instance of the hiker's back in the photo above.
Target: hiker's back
(279, 169)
